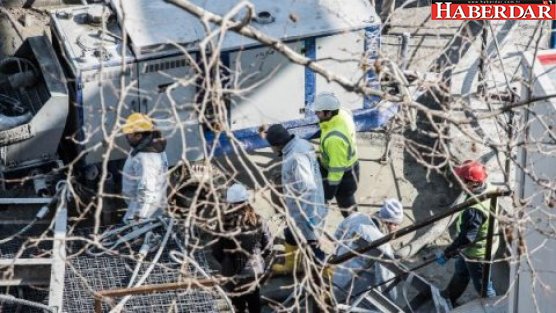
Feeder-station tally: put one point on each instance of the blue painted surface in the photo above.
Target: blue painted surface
(79, 103)
(371, 46)
(310, 76)
(365, 120)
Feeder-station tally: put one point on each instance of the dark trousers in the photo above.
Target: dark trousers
(345, 193)
(250, 301)
(319, 254)
(464, 272)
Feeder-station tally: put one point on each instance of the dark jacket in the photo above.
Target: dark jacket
(241, 250)
(151, 142)
(470, 223)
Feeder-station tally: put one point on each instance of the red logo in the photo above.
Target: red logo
(494, 10)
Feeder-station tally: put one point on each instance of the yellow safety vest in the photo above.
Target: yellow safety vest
(477, 250)
(338, 146)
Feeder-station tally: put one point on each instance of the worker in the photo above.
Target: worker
(359, 274)
(241, 248)
(472, 225)
(144, 183)
(303, 195)
(339, 162)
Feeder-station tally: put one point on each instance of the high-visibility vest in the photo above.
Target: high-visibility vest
(338, 146)
(477, 249)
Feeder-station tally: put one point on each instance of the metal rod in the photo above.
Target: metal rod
(404, 51)
(488, 252)
(25, 200)
(406, 230)
(481, 88)
(189, 283)
(508, 162)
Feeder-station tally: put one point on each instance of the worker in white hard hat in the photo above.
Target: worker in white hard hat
(357, 275)
(242, 245)
(338, 147)
(144, 183)
(303, 196)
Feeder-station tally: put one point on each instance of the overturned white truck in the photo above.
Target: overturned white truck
(144, 56)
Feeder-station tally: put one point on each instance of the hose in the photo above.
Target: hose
(124, 300)
(143, 251)
(108, 241)
(12, 299)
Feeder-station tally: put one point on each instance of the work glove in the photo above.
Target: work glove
(441, 258)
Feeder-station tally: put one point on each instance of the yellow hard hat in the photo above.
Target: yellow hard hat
(138, 123)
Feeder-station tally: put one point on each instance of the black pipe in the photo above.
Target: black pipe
(488, 252)
(404, 231)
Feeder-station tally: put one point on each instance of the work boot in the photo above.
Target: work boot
(291, 259)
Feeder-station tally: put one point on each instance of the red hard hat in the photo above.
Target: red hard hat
(472, 171)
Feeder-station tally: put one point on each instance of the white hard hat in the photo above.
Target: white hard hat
(326, 101)
(391, 211)
(237, 193)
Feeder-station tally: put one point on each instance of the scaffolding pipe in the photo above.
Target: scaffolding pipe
(488, 252)
(406, 230)
(122, 292)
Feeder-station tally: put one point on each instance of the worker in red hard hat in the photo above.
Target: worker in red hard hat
(470, 243)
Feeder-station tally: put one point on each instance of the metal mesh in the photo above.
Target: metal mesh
(21, 245)
(86, 274)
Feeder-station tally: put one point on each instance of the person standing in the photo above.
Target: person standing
(357, 275)
(472, 226)
(241, 248)
(338, 145)
(303, 194)
(144, 183)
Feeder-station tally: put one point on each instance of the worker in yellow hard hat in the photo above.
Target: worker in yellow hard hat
(144, 180)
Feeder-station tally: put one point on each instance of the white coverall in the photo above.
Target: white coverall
(144, 184)
(355, 276)
(304, 195)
